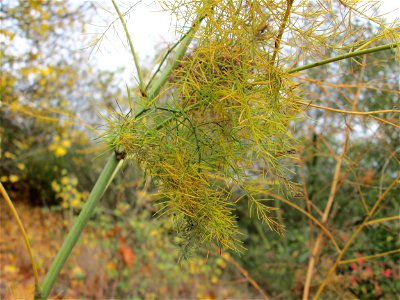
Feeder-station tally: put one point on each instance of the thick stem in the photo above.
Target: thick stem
(106, 176)
(155, 87)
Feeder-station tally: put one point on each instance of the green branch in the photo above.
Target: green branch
(154, 88)
(344, 56)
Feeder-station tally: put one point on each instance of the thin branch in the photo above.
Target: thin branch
(350, 112)
(230, 260)
(334, 187)
(344, 56)
(348, 261)
(24, 235)
(359, 113)
(141, 82)
(311, 217)
(278, 39)
(353, 237)
(376, 221)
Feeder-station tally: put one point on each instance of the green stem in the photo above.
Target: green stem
(166, 56)
(344, 56)
(154, 88)
(106, 176)
(135, 59)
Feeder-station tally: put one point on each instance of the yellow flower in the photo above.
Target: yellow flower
(47, 71)
(10, 269)
(64, 204)
(8, 155)
(14, 178)
(42, 81)
(60, 151)
(64, 180)
(21, 166)
(55, 186)
(14, 106)
(75, 203)
(3, 178)
(214, 279)
(66, 143)
(221, 263)
(110, 266)
(74, 181)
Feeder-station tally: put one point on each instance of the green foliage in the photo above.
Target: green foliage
(222, 120)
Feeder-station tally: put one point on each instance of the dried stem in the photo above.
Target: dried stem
(230, 260)
(278, 39)
(348, 261)
(353, 237)
(23, 232)
(316, 249)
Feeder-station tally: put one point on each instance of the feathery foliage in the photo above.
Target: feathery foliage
(222, 119)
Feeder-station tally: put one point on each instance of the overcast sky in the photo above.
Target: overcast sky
(151, 31)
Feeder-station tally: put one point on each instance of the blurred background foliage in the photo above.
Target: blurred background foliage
(51, 100)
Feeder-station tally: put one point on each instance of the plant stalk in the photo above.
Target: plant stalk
(24, 234)
(343, 56)
(154, 88)
(105, 178)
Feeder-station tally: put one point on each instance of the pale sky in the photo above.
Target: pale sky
(151, 31)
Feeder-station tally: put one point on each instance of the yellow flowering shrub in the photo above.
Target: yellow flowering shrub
(60, 146)
(66, 190)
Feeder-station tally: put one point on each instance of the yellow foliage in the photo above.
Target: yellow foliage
(8, 34)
